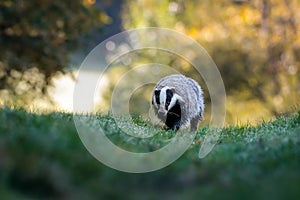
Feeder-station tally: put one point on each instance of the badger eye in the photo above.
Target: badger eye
(167, 104)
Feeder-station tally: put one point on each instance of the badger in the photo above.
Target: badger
(178, 102)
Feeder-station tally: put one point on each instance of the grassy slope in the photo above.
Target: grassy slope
(41, 156)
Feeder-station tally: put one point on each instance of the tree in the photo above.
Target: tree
(38, 35)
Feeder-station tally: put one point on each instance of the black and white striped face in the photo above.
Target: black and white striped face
(163, 100)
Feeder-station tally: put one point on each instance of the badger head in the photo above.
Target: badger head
(165, 102)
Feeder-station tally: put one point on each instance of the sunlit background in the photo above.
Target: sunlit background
(255, 44)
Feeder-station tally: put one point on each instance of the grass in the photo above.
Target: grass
(42, 157)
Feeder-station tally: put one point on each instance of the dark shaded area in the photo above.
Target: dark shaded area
(113, 9)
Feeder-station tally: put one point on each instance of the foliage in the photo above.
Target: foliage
(255, 44)
(42, 157)
(37, 36)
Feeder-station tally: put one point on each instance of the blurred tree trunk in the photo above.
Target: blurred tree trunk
(273, 51)
(265, 13)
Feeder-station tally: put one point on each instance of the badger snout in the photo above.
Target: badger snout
(162, 113)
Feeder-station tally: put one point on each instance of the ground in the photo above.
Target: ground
(42, 157)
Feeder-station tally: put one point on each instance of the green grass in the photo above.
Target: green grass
(42, 157)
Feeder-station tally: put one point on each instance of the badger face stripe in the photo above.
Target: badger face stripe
(162, 96)
(174, 99)
(169, 96)
(165, 97)
(156, 97)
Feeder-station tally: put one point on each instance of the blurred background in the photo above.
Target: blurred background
(255, 44)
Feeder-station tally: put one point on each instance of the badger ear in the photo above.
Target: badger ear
(156, 92)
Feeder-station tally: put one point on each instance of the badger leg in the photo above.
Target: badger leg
(174, 127)
(195, 120)
(194, 123)
(173, 122)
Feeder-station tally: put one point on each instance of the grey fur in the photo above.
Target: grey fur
(190, 98)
